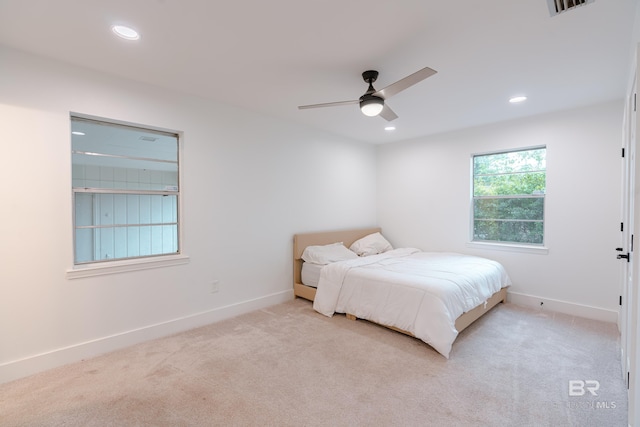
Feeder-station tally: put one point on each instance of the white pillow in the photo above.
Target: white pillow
(326, 254)
(371, 245)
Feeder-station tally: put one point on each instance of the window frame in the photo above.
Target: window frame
(540, 248)
(118, 265)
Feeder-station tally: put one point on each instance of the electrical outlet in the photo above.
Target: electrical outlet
(215, 286)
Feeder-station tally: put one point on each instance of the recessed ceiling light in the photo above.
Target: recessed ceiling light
(517, 99)
(390, 128)
(125, 32)
(75, 132)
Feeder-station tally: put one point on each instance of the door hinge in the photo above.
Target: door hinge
(622, 151)
(620, 299)
(622, 226)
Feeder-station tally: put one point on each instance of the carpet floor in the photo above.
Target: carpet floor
(290, 366)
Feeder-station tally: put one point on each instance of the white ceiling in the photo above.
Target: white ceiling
(273, 56)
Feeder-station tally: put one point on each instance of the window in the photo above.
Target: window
(125, 191)
(508, 196)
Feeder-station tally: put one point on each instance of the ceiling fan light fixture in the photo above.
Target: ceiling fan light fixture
(371, 105)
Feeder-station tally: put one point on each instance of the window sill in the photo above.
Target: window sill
(101, 269)
(509, 247)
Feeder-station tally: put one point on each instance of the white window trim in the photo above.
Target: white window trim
(101, 268)
(113, 267)
(498, 246)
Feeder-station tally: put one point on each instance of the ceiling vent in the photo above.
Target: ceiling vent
(557, 7)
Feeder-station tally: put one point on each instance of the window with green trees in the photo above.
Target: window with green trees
(508, 196)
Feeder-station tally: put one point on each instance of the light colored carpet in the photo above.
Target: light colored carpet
(289, 366)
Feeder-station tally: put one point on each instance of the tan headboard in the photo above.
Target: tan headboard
(301, 241)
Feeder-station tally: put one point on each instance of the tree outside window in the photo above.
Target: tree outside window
(508, 196)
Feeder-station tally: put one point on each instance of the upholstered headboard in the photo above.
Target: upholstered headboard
(301, 241)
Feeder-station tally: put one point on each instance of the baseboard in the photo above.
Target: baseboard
(565, 307)
(27, 366)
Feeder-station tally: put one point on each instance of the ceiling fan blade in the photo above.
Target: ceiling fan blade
(406, 82)
(388, 114)
(329, 104)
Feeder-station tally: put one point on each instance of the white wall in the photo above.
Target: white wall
(424, 201)
(249, 183)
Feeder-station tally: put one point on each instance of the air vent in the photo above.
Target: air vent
(557, 7)
(148, 138)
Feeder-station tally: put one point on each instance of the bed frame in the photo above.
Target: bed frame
(301, 241)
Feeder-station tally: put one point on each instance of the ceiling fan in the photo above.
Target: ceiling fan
(372, 102)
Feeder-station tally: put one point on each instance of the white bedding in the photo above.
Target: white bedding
(310, 274)
(420, 292)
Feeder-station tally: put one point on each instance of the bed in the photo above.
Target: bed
(428, 295)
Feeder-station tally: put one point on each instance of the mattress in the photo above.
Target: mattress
(419, 292)
(311, 274)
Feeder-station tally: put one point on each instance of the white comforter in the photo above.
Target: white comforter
(419, 292)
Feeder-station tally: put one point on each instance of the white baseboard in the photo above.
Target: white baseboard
(21, 368)
(563, 307)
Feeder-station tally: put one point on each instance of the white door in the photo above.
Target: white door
(631, 304)
(625, 248)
